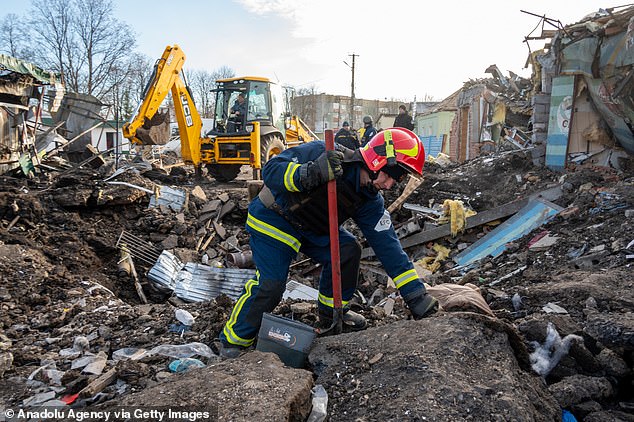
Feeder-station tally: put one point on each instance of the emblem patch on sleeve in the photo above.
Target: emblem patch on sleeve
(384, 223)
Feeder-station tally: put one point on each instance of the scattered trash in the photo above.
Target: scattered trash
(576, 253)
(182, 350)
(178, 328)
(552, 308)
(184, 317)
(542, 242)
(607, 202)
(517, 302)
(197, 282)
(566, 416)
(128, 353)
(80, 345)
(91, 364)
(170, 197)
(320, 404)
(295, 290)
(69, 398)
(38, 399)
(547, 356)
(183, 365)
(533, 215)
(241, 259)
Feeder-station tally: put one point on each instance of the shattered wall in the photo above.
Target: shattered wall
(598, 53)
(80, 113)
(21, 88)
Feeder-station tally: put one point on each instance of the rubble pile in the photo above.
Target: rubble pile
(74, 329)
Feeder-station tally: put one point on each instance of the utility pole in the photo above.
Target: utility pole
(352, 92)
(354, 56)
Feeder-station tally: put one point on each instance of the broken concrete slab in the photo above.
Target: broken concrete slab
(579, 388)
(256, 386)
(430, 373)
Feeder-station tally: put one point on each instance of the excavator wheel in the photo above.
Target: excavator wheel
(224, 172)
(272, 145)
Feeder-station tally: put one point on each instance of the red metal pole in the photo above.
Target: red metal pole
(334, 242)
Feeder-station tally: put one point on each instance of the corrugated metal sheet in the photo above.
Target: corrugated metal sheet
(295, 290)
(432, 144)
(173, 198)
(533, 215)
(197, 282)
(163, 272)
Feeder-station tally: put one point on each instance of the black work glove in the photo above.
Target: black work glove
(421, 304)
(326, 167)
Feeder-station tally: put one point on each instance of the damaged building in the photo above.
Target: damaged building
(44, 126)
(116, 279)
(583, 97)
(22, 91)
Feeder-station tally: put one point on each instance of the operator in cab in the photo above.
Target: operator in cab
(238, 113)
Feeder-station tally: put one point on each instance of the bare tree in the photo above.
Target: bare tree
(52, 34)
(83, 41)
(15, 38)
(223, 72)
(104, 42)
(309, 90)
(202, 82)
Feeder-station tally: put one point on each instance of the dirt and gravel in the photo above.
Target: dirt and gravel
(62, 298)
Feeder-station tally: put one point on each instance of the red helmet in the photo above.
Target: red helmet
(395, 146)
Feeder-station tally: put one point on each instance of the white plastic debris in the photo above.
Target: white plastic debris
(517, 301)
(128, 353)
(320, 404)
(184, 317)
(552, 308)
(546, 356)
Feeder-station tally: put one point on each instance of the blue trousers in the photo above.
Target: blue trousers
(264, 292)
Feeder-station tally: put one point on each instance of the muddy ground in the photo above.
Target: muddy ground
(60, 286)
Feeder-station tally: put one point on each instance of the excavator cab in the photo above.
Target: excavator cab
(249, 125)
(263, 103)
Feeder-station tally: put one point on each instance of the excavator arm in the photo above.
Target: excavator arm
(167, 77)
(298, 132)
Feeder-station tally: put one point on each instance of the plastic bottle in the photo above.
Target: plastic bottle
(183, 365)
(320, 404)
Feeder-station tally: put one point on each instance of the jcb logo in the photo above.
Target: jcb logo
(186, 111)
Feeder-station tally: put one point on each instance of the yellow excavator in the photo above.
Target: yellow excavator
(246, 131)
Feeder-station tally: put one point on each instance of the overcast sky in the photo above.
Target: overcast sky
(405, 48)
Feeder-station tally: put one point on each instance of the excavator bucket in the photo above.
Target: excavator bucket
(155, 131)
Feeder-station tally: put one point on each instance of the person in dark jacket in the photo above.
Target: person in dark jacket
(403, 119)
(238, 112)
(368, 130)
(346, 137)
(291, 215)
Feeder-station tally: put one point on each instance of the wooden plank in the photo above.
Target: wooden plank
(99, 384)
(510, 208)
(445, 230)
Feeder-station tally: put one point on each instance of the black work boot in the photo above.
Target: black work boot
(229, 351)
(421, 304)
(352, 321)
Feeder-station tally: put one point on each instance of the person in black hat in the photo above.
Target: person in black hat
(346, 137)
(403, 119)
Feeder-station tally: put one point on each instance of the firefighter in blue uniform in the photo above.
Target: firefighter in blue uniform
(291, 215)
